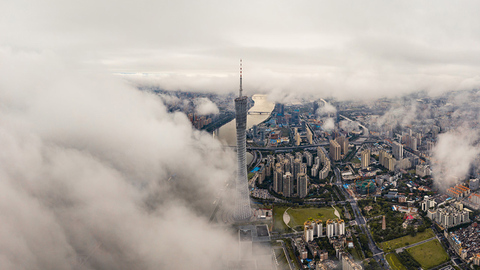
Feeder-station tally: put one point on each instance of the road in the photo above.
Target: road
(313, 146)
(290, 263)
(378, 254)
(398, 250)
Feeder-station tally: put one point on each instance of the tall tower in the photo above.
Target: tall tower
(242, 199)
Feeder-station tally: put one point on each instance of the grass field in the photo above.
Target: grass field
(299, 215)
(278, 224)
(394, 263)
(406, 240)
(429, 254)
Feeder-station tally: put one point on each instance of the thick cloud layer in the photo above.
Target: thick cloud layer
(453, 155)
(95, 174)
(314, 48)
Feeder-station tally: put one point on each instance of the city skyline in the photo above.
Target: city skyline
(107, 110)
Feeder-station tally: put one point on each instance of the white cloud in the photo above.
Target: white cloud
(205, 106)
(328, 124)
(84, 164)
(453, 155)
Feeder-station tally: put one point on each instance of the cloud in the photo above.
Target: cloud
(317, 48)
(349, 126)
(402, 114)
(328, 124)
(326, 108)
(453, 156)
(84, 167)
(205, 106)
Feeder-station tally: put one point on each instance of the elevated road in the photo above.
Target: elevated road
(288, 148)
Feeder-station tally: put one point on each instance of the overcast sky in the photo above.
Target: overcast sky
(323, 48)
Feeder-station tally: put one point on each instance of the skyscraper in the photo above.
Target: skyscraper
(242, 200)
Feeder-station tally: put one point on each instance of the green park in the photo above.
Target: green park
(298, 216)
(392, 245)
(429, 254)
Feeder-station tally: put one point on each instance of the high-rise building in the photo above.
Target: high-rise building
(386, 160)
(286, 167)
(365, 158)
(278, 180)
(309, 136)
(288, 185)
(412, 142)
(335, 150)
(309, 157)
(314, 170)
(242, 209)
(318, 228)
(296, 168)
(343, 142)
(321, 154)
(397, 149)
(308, 231)
(341, 227)
(330, 228)
(302, 185)
(303, 168)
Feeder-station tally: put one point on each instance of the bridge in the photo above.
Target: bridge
(258, 112)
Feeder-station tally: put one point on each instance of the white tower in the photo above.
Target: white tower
(243, 210)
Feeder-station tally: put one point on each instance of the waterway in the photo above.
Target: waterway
(227, 133)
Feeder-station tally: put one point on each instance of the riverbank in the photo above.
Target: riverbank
(227, 132)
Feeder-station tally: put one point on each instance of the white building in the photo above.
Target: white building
(308, 231)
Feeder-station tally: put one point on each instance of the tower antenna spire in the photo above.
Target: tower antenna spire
(240, 92)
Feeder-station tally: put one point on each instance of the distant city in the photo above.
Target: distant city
(343, 185)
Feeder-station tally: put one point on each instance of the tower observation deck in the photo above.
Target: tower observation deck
(242, 210)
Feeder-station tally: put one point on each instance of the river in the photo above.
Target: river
(227, 133)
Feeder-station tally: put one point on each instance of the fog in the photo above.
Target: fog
(97, 175)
